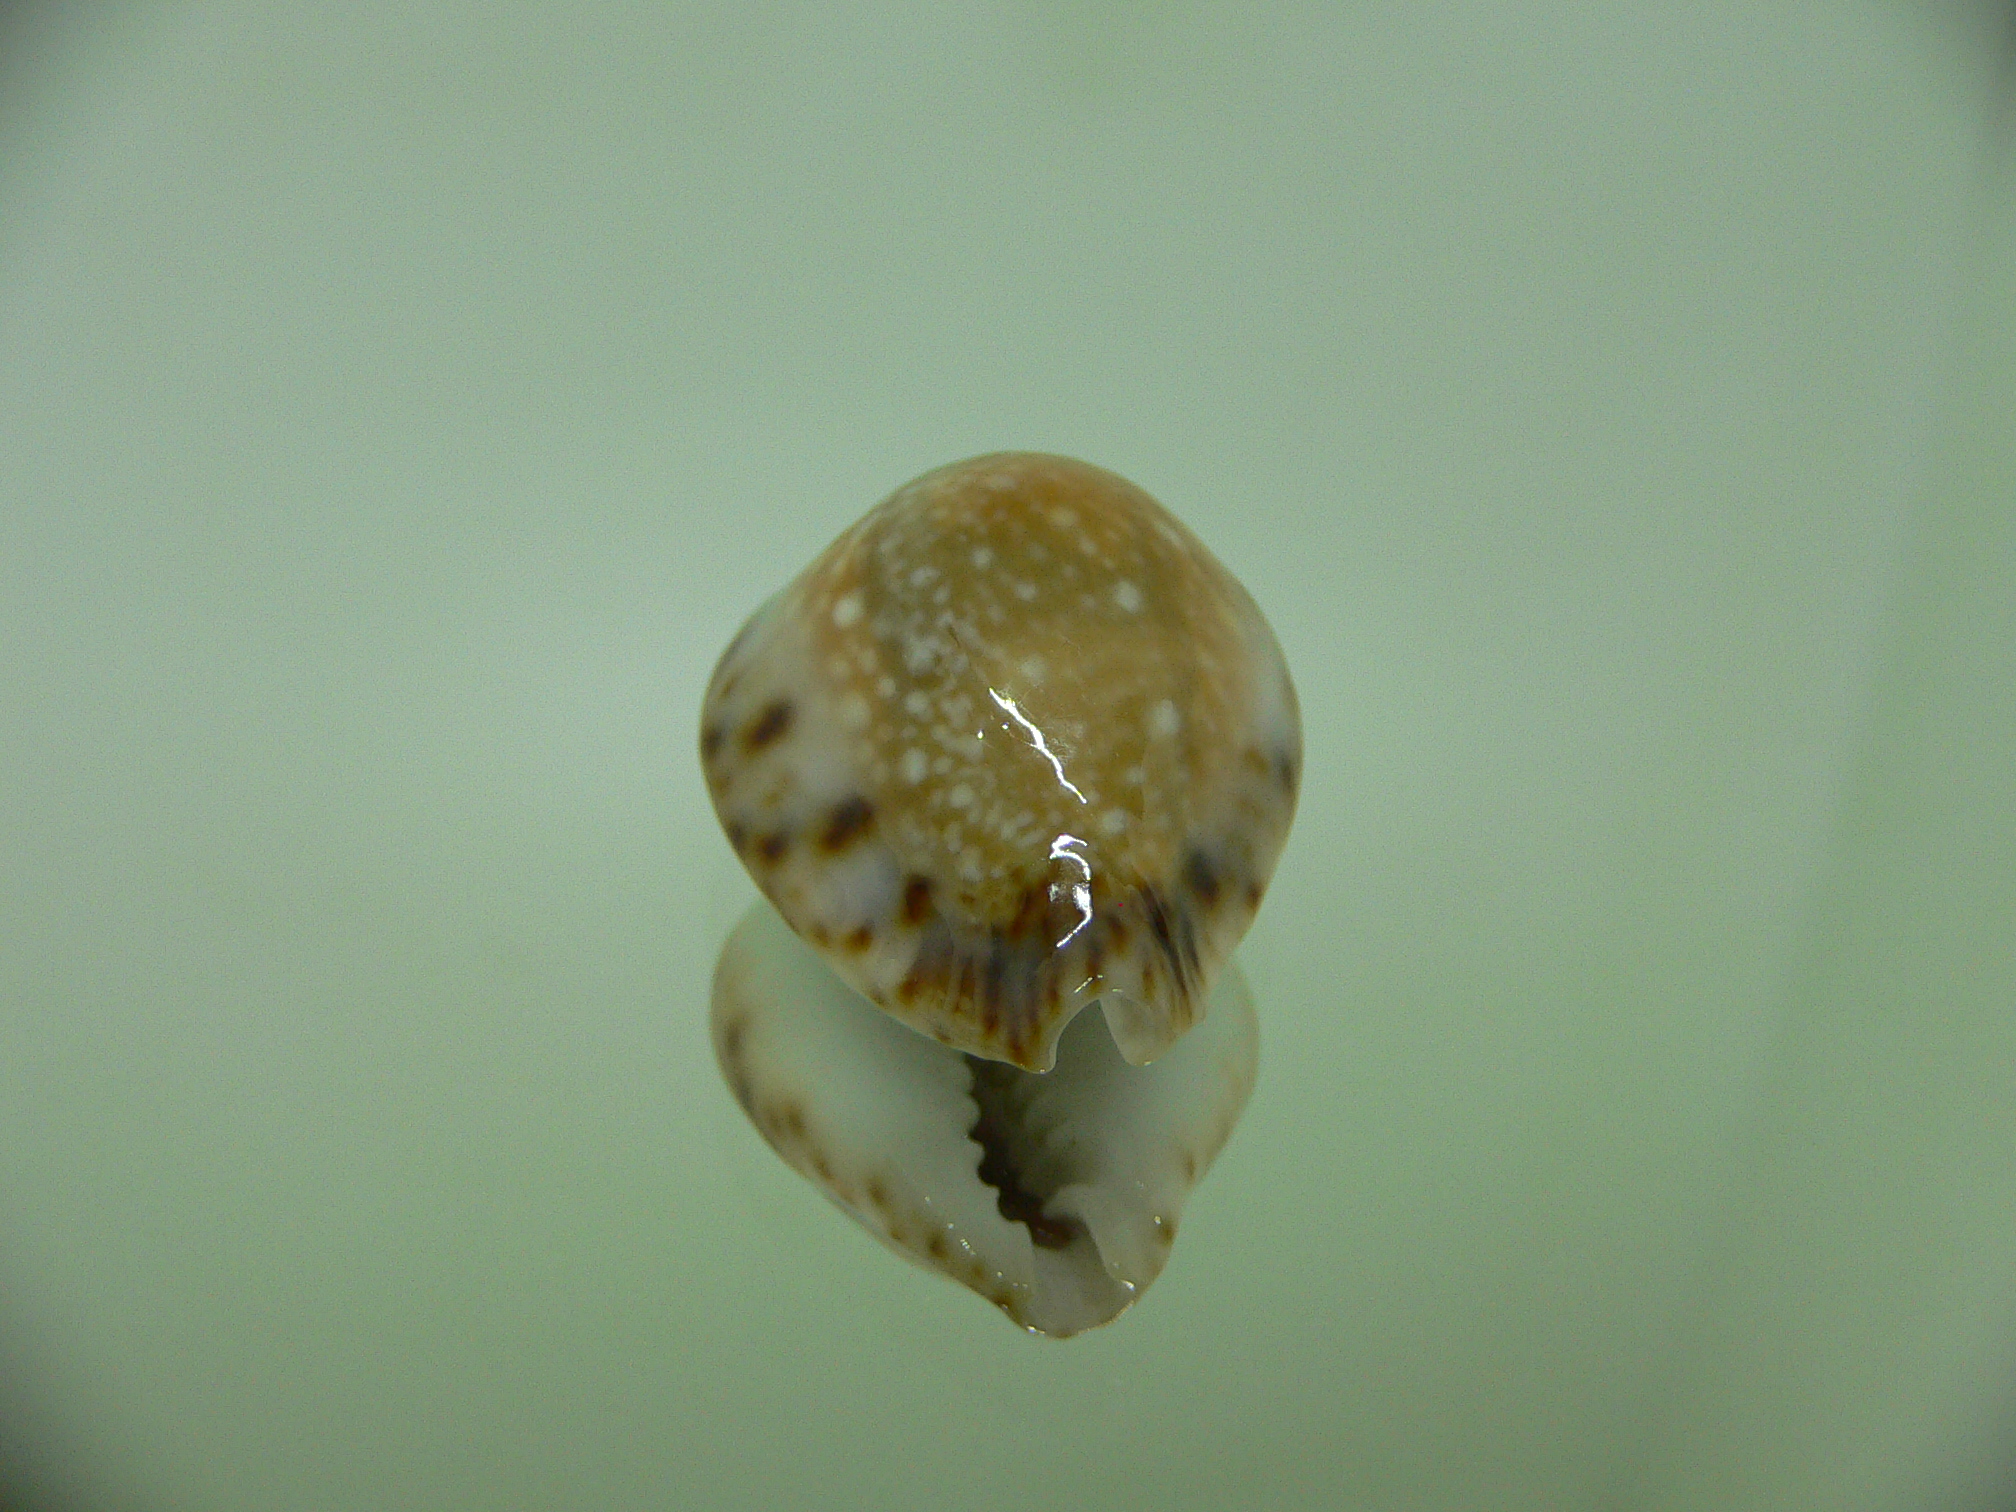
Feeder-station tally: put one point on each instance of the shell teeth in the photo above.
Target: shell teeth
(1056, 1197)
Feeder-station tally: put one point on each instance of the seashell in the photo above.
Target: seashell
(1013, 744)
(1056, 1197)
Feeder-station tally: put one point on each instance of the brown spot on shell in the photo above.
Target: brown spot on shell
(731, 1048)
(916, 900)
(848, 822)
(768, 727)
(770, 848)
(860, 938)
(1171, 929)
(783, 1121)
(710, 742)
(1201, 877)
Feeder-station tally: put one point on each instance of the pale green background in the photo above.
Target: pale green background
(401, 405)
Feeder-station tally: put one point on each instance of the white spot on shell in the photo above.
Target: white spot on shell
(847, 610)
(1033, 669)
(1113, 821)
(917, 703)
(1127, 596)
(983, 558)
(1025, 591)
(914, 765)
(1163, 720)
(961, 796)
(854, 711)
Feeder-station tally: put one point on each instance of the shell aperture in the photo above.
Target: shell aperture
(1056, 1197)
(1015, 743)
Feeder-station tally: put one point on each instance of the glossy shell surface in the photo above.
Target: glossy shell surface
(1014, 743)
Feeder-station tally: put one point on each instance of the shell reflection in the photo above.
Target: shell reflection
(1055, 1196)
(1014, 745)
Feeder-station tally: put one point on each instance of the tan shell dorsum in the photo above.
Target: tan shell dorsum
(1014, 743)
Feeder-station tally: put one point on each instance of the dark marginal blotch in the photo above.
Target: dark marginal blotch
(768, 727)
(848, 822)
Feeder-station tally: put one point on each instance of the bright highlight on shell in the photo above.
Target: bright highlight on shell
(1014, 745)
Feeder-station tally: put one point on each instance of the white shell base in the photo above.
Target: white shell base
(1103, 1154)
